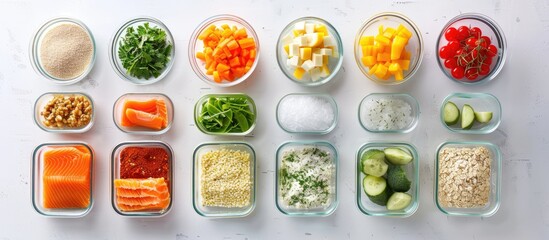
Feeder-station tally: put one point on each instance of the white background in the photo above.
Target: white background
(522, 88)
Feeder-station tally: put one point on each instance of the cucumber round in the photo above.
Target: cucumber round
(483, 117)
(376, 189)
(450, 113)
(467, 116)
(399, 201)
(374, 166)
(372, 153)
(398, 156)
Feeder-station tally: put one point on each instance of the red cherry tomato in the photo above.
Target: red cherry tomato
(458, 72)
(445, 52)
(476, 32)
(485, 41)
(471, 73)
(471, 42)
(463, 33)
(487, 61)
(474, 53)
(484, 69)
(492, 51)
(450, 63)
(454, 45)
(451, 34)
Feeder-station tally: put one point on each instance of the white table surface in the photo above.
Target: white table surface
(522, 87)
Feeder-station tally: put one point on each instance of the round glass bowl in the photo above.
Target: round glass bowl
(329, 54)
(115, 45)
(204, 172)
(234, 109)
(412, 173)
(77, 113)
(449, 154)
(307, 108)
(375, 114)
(196, 45)
(480, 102)
(132, 199)
(145, 106)
(36, 45)
(490, 29)
(414, 46)
(51, 181)
(296, 156)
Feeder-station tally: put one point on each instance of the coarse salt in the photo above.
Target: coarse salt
(302, 113)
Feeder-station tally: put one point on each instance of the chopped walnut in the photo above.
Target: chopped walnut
(73, 111)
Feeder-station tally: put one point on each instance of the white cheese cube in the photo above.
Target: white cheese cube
(317, 60)
(293, 50)
(325, 71)
(309, 27)
(299, 26)
(293, 61)
(326, 51)
(287, 39)
(301, 41)
(313, 39)
(308, 65)
(329, 41)
(335, 51)
(316, 51)
(316, 74)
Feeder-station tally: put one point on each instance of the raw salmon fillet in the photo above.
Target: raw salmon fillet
(66, 177)
(134, 194)
(151, 113)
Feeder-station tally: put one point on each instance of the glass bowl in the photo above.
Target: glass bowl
(307, 211)
(198, 176)
(490, 29)
(251, 116)
(335, 60)
(38, 184)
(36, 43)
(138, 167)
(308, 113)
(412, 172)
(115, 45)
(44, 99)
(414, 45)
(142, 97)
(494, 181)
(196, 45)
(479, 102)
(364, 114)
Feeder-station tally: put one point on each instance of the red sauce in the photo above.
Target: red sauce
(144, 162)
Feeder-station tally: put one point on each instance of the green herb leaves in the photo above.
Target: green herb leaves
(226, 115)
(144, 52)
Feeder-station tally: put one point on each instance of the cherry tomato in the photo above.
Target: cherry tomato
(474, 53)
(459, 52)
(458, 72)
(484, 69)
(492, 51)
(451, 34)
(450, 63)
(476, 32)
(487, 61)
(454, 45)
(445, 52)
(463, 33)
(485, 41)
(471, 73)
(471, 42)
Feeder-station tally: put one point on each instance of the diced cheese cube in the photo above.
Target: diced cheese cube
(298, 73)
(293, 61)
(307, 65)
(335, 51)
(325, 71)
(301, 41)
(305, 53)
(287, 39)
(316, 74)
(293, 50)
(314, 39)
(317, 60)
(316, 51)
(299, 26)
(326, 51)
(309, 27)
(328, 41)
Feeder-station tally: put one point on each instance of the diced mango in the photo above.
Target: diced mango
(399, 76)
(389, 33)
(383, 40)
(381, 71)
(366, 40)
(299, 72)
(406, 55)
(373, 69)
(305, 53)
(287, 49)
(394, 67)
(369, 61)
(368, 50)
(383, 57)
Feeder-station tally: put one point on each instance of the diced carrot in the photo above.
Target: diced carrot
(216, 76)
(246, 42)
(200, 55)
(252, 53)
(227, 52)
(205, 34)
(234, 62)
(240, 33)
(227, 33)
(232, 45)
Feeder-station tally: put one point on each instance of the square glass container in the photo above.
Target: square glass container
(479, 102)
(38, 176)
(115, 174)
(45, 98)
(293, 123)
(121, 103)
(365, 205)
(364, 113)
(492, 205)
(199, 109)
(332, 182)
(217, 211)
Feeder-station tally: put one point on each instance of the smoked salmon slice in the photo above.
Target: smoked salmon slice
(66, 177)
(144, 119)
(150, 111)
(142, 194)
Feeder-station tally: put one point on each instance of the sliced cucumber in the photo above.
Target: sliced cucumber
(372, 153)
(451, 113)
(374, 166)
(376, 189)
(483, 117)
(398, 156)
(399, 201)
(467, 116)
